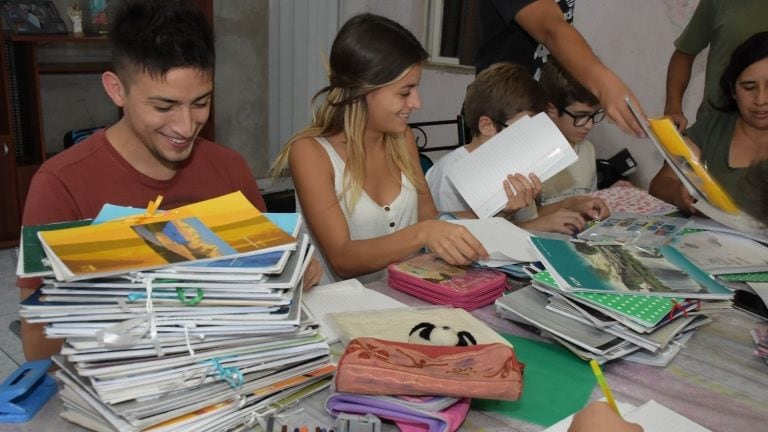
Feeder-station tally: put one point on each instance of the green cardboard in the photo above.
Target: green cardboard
(33, 249)
(556, 384)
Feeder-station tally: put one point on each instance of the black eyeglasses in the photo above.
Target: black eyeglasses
(582, 119)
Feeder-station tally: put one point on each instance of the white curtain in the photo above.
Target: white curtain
(300, 36)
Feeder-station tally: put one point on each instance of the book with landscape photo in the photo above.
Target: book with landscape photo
(202, 231)
(578, 266)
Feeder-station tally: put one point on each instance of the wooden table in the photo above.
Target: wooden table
(716, 381)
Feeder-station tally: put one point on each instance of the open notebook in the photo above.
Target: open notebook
(529, 145)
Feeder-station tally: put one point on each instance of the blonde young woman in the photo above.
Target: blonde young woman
(355, 167)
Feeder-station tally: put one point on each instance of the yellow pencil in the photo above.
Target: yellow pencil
(604, 385)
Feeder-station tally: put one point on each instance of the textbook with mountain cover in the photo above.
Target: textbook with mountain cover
(578, 266)
(227, 226)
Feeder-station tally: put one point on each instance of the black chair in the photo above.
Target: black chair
(422, 139)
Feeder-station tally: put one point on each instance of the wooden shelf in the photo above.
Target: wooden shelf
(21, 117)
(57, 38)
(74, 68)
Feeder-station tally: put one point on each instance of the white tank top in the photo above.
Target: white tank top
(368, 219)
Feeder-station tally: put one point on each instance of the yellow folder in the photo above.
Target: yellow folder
(675, 145)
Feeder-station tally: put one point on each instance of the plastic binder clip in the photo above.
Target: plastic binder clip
(357, 423)
(25, 391)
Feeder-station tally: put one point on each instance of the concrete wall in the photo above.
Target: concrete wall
(241, 101)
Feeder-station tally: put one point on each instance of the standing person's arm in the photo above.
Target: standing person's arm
(666, 185)
(543, 20)
(678, 76)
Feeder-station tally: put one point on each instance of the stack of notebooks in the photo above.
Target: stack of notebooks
(189, 319)
(625, 292)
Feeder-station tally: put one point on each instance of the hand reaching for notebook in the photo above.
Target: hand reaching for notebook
(521, 191)
(453, 243)
(561, 221)
(682, 199)
(588, 206)
(313, 273)
(598, 417)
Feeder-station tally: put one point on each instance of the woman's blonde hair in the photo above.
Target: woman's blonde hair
(369, 52)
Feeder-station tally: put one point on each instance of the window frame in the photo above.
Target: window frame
(434, 30)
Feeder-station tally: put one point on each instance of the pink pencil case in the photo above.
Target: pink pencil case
(429, 278)
(379, 367)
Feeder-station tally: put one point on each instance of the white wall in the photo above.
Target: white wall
(632, 37)
(635, 39)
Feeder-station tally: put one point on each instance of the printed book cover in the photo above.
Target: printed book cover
(272, 262)
(635, 229)
(722, 253)
(227, 226)
(432, 269)
(241, 225)
(113, 248)
(578, 266)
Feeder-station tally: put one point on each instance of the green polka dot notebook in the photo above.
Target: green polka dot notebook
(745, 277)
(644, 309)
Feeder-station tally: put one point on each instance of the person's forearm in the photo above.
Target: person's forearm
(678, 76)
(663, 187)
(359, 257)
(549, 208)
(35, 344)
(566, 44)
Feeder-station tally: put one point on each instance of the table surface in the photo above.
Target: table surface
(716, 381)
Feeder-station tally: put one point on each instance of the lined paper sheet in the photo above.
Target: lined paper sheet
(530, 145)
(345, 296)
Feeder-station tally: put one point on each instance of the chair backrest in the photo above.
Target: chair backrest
(422, 139)
(426, 162)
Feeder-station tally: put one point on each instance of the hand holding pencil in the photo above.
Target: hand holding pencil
(601, 417)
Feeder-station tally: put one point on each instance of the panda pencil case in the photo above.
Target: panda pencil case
(379, 367)
(429, 278)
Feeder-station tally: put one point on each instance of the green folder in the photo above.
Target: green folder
(33, 252)
(745, 277)
(556, 384)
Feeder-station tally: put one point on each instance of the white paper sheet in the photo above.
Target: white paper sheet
(530, 145)
(345, 296)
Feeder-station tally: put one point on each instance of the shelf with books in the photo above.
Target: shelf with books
(30, 64)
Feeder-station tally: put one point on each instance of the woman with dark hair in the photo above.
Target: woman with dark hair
(356, 168)
(734, 136)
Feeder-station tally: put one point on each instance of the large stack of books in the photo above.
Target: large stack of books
(185, 320)
(626, 288)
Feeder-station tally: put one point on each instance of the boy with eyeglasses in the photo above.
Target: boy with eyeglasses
(575, 111)
(496, 98)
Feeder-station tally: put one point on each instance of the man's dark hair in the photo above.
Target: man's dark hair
(155, 36)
